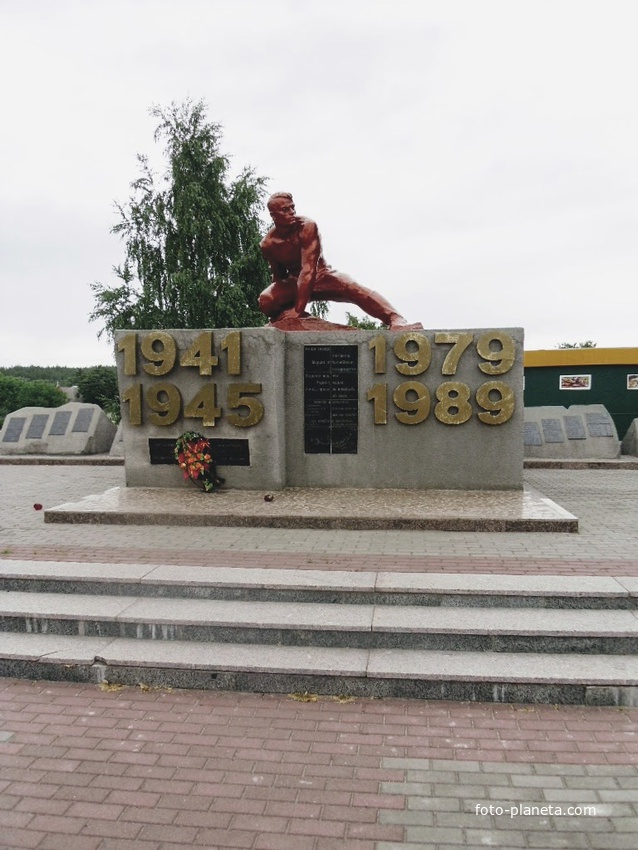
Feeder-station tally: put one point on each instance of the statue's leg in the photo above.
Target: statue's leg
(336, 286)
(277, 298)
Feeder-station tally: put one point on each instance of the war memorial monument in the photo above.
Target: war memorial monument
(416, 418)
(319, 426)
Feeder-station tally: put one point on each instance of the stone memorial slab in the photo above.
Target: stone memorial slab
(630, 440)
(574, 427)
(532, 434)
(83, 420)
(37, 426)
(553, 431)
(582, 431)
(92, 431)
(60, 423)
(13, 429)
(599, 424)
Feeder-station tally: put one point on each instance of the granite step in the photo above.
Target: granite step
(327, 586)
(323, 624)
(483, 676)
(429, 636)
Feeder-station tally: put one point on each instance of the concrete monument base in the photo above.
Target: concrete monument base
(411, 409)
(321, 508)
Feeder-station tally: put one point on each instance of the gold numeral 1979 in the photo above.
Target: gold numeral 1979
(500, 360)
(415, 352)
(459, 341)
(378, 345)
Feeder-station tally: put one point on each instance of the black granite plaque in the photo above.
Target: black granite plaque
(599, 425)
(574, 427)
(83, 419)
(331, 403)
(344, 358)
(316, 358)
(225, 452)
(317, 440)
(60, 423)
(343, 440)
(552, 431)
(532, 434)
(14, 429)
(37, 426)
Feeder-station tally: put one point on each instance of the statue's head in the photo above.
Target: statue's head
(282, 208)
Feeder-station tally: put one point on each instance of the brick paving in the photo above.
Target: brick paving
(161, 769)
(136, 769)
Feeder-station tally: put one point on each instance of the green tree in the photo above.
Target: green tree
(98, 385)
(16, 393)
(192, 256)
(588, 343)
(320, 309)
(366, 324)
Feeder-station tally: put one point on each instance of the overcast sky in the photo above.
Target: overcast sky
(476, 162)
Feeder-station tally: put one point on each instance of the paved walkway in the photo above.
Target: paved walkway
(605, 501)
(142, 769)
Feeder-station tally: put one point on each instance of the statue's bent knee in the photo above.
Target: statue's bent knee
(266, 302)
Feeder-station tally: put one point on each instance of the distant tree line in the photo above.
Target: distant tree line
(588, 343)
(64, 376)
(39, 386)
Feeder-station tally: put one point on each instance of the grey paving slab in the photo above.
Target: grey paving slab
(262, 614)
(532, 814)
(570, 795)
(58, 605)
(465, 766)
(434, 804)
(401, 618)
(10, 568)
(571, 769)
(262, 578)
(63, 649)
(626, 810)
(237, 657)
(503, 584)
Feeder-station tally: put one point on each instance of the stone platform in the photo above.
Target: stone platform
(323, 508)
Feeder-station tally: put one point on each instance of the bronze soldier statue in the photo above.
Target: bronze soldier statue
(300, 273)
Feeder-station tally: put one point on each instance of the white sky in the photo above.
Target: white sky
(476, 162)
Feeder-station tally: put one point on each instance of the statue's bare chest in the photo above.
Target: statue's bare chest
(285, 251)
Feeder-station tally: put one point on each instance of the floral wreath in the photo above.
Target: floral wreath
(193, 453)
